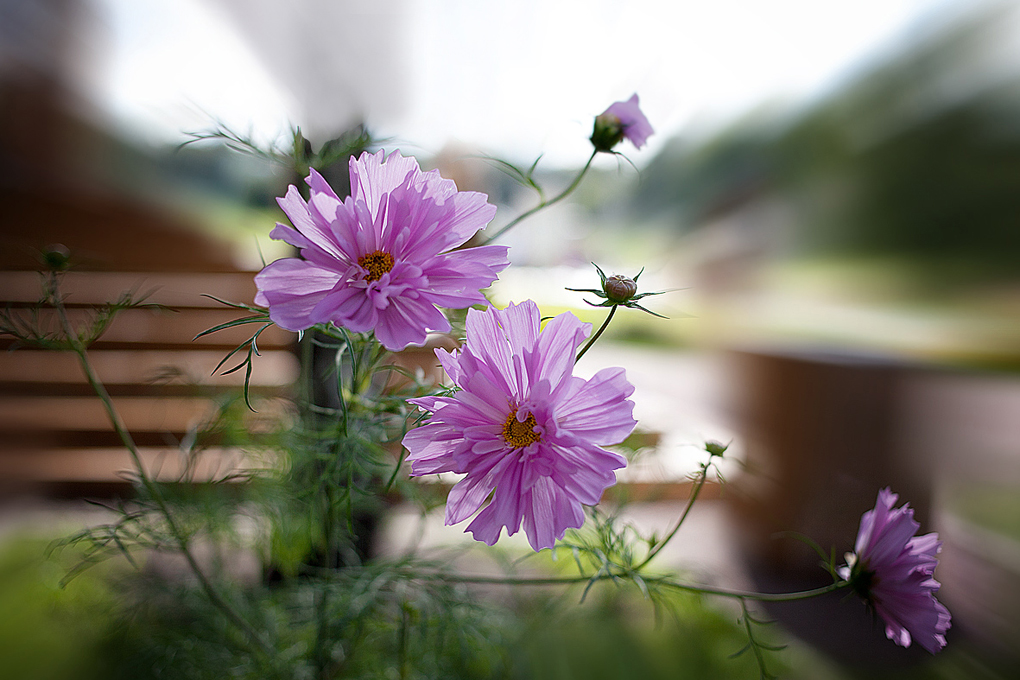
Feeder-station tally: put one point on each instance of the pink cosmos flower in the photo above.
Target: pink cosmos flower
(522, 427)
(382, 259)
(622, 120)
(893, 570)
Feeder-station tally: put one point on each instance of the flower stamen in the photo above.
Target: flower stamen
(518, 434)
(377, 263)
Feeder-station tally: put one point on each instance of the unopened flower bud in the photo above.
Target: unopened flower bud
(608, 132)
(715, 448)
(619, 288)
(622, 120)
(56, 257)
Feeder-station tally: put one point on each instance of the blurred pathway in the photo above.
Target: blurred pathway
(681, 395)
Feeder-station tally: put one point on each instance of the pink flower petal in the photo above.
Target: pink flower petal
(893, 572)
(535, 448)
(292, 289)
(397, 212)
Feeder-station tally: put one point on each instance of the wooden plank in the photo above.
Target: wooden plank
(115, 464)
(138, 328)
(169, 390)
(171, 289)
(87, 413)
(275, 368)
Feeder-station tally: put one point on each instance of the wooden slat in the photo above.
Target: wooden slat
(54, 432)
(31, 370)
(112, 464)
(138, 328)
(85, 413)
(95, 288)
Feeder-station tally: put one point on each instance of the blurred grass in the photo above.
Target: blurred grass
(84, 632)
(49, 632)
(607, 639)
(888, 305)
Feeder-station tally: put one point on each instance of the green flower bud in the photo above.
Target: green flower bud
(56, 257)
(715, 448)
(608, 132)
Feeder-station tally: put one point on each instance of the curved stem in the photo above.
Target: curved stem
(663, 581)
(150, 487)
(544, 204)
(761, 597)
(752, 643)
(605, 324)
(690, 504)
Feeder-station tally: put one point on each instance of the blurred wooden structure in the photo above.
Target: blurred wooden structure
(66, 180)
(55, 437)
(823, 432)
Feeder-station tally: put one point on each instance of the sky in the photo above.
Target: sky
(516, 79)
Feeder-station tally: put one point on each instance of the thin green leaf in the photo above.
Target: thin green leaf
(247, 382)
(743, 650)
(396, 470)
(640, 583)
(637, 306)
(241, 365)
(231, 324)
(236, 305)
(644, 295)
(577, 559)
(534, 165)
(591, 582)
(227, 358)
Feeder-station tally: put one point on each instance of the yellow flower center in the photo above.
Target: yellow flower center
(377, 264)
(518, 434)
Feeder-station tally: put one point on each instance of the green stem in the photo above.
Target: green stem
(690, 504)
(402, 664)
(605, 324)
(545, 204)
(319, 651)
(663, 581)
(307, 350)
(752, 643)
(143, 476)
(760, 597)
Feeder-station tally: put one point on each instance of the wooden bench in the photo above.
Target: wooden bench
(55, 437)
